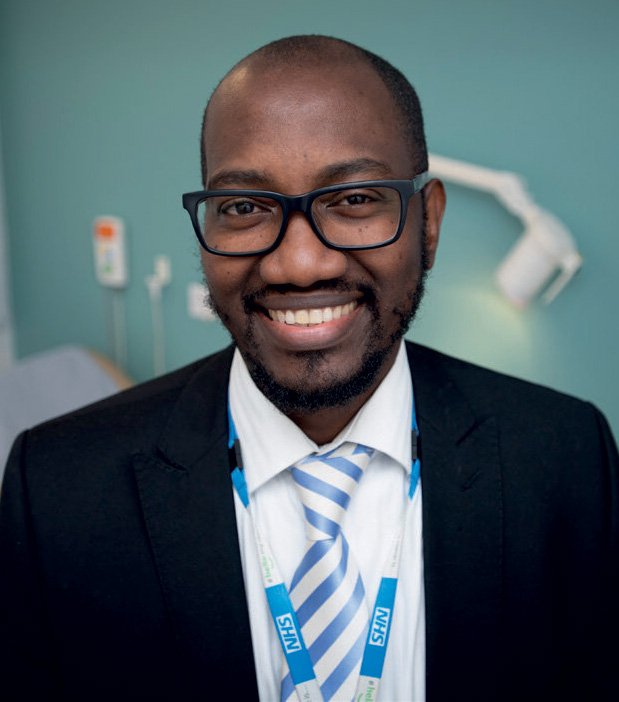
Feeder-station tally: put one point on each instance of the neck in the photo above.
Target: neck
(320, 420)
(324, 425)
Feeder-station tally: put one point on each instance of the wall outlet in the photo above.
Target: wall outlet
(197, 303)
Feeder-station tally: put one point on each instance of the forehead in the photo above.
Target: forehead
(292, 123)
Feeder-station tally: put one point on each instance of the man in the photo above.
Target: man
(133, 569)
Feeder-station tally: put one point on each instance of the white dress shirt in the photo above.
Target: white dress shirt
(270, 443)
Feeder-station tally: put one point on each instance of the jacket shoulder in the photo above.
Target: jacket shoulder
(495, 391)
(153, 395)
(130, 421)
(527, 414)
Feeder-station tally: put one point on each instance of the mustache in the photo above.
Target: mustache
(252, 299)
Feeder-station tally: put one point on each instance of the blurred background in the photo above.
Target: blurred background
(100, 110)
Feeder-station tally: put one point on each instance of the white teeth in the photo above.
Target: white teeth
(313, 315)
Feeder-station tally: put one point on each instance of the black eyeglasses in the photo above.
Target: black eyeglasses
(349, 217)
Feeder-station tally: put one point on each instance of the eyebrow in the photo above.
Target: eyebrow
(357, 167)
(333, 173)
(238, 178)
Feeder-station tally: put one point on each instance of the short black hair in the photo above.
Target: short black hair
(311, 49)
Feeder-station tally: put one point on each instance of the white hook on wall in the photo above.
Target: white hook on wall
(155, 282)
(546, 247)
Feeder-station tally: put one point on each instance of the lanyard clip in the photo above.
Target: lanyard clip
(414, 445)
(235, 459)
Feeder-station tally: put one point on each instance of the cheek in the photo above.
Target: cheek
(226, 277)
(395, 268)
(397, 278)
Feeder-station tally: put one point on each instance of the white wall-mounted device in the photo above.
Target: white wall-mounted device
(197, 303)
(545, 250)
(155, 283)
(110, 252)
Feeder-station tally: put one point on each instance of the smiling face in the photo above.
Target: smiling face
(317, 327)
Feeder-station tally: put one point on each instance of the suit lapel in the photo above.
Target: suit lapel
(188, 508)
(462, 532)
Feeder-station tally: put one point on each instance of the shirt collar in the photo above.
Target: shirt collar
(271, 442)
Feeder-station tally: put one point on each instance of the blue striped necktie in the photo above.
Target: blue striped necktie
(326, 590)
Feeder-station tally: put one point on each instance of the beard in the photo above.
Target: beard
(298, 397)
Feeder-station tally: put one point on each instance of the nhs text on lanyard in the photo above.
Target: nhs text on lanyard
(283, 613)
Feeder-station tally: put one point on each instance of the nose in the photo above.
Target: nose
(301, 259)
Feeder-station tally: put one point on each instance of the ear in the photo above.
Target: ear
(435, 198)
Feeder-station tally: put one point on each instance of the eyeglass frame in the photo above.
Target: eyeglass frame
(303, 203)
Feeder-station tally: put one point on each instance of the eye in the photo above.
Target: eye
(239, 211)
(241, 207)
(353, 198)
(356, 199)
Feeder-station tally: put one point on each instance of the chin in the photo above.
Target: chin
(302, 396)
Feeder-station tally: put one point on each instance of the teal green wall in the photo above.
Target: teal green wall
(100, 105)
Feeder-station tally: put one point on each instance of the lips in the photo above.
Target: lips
(310, 316)
(294, 321)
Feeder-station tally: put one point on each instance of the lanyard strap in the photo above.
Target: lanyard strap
(282, 612)
(379, 630)
(281, 608)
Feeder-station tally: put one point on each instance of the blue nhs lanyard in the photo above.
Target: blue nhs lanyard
(281, 608)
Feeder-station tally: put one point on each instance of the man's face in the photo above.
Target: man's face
(315, 326)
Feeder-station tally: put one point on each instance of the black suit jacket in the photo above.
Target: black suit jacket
(119, 557)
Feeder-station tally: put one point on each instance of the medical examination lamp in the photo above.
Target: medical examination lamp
(545, 249)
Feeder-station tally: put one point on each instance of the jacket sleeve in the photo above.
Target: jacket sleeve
(612, 461)
(609, 678)
(26, 650)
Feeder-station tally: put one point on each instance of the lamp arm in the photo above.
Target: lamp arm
(509, 188)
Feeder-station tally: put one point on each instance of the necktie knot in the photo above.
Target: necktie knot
(326, 483)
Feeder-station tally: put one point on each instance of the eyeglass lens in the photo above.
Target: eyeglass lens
(347, 217)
